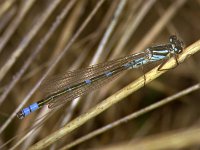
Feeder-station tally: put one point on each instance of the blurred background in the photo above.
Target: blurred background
(40, 39)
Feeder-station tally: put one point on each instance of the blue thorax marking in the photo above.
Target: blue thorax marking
(108, 73)
(88, 81)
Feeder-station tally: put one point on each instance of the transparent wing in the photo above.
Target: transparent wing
(71, 78)
(79, 92)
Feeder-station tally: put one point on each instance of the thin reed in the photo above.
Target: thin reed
(42, 39)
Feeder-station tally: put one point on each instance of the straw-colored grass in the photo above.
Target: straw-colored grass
(43, 38)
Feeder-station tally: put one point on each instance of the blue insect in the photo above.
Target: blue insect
(76, 83)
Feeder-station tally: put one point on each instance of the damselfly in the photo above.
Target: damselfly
(79, 82)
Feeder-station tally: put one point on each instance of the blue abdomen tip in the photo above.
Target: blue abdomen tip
(33, 107)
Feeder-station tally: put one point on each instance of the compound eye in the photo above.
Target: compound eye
(172, 38)
(178, 50)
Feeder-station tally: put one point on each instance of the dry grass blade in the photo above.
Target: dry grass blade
(15, 23)
(160, 24)
(151, 75)
(30, 60)
(40, 38)
(26, 40)
(173, 140)
(131, 116)
(5, 6)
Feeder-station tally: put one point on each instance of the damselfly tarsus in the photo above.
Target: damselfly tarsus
(79, 82)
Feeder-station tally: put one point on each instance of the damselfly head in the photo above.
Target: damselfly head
(177, 44)
(20, 115)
